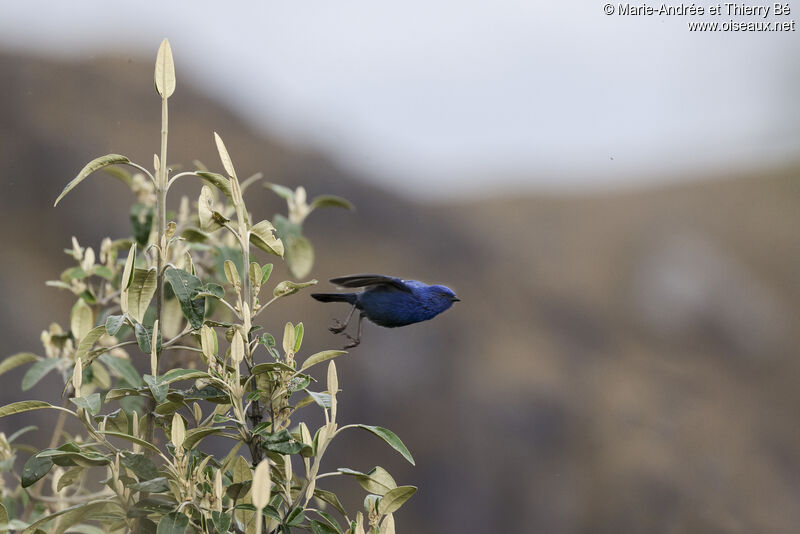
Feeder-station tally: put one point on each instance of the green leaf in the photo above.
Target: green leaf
(37, 371)
(262, 236)
(218, 181)
(21, 358)
(141, 218)
(227, 163)
(142, 466)
(95, 164)
(34, 469)
(144, 337)
(391, 438)
(330, 498)
(3, 515)
(222, 521)
(329, 520)
(331, 201)
(287, 287)
(120, 174)
(141, 292)
(318, 527)
(132, 439)
(165, 75)
(89, 340)
(114, 323)
(323, 400)
(266, 270)
(194, 435)
(173, 375)
(122, 368)
(320, 357)
(69, 477)
(26, 406)
(75, 514)
(299, 329)
(215, 290)
(377, 481)
(91, 403)
(271, 366)
(280, 190)
(395, 498)
(21, 431)
(157, 388)
(299, 256)
(154, 485)
(81, 320)
(186, 287)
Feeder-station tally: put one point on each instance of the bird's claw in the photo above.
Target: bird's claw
(337, 327)
(351, 342)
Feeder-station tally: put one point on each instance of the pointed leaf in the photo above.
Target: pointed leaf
(319, 357)
(325, 201)
(395, 498)
(122, 368)
(114, 323)
(37, 371)
(218, 181)
(165, 71)
(26, 406)
(95, 164)
(186, 287)
(287, 287)
(280, 190)
(89, 340)
(173, 523)
(21, 358)
(90, 403)
(227, 164)
(391, 438)
(141, 292)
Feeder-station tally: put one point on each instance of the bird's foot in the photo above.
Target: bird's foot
(351, 342)
(337, 327)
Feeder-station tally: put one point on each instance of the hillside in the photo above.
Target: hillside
(620, 362)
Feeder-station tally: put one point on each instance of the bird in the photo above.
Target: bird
(387, 301)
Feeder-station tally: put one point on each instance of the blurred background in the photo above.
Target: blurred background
(615, 199)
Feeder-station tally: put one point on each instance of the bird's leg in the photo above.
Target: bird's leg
(338, 326)
(355, 341)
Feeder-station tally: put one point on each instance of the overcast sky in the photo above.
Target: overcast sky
(452, 95)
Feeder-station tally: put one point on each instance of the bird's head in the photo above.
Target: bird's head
(443, 295)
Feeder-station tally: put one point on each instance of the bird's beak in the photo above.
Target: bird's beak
(455, 299)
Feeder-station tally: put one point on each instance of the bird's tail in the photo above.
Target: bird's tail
(350, 298)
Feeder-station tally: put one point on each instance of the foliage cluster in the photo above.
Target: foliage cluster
(186, 283)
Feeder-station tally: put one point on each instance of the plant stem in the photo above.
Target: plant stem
(161, 217)
(161, 209)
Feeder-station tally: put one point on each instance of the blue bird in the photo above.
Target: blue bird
(387, 301)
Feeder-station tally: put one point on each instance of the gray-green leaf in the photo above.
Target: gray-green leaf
(173, 523)
(391, 438)
(395, 498)
(95, 164)
(37, 371)
(186, 287)
(16, 360)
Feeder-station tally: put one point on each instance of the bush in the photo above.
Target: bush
(142, 432)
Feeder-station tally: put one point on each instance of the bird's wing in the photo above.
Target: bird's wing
(366, 280)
